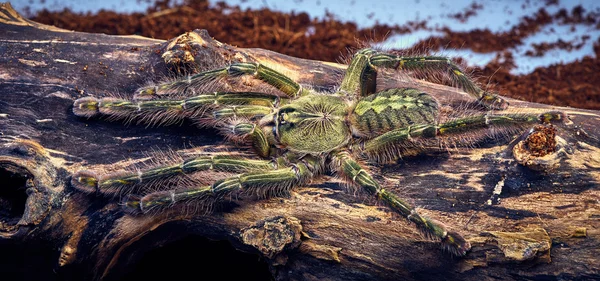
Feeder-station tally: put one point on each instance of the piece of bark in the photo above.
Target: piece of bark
(546, 224)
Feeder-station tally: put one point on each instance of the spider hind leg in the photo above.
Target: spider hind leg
(260, 183)
(356, 174)
(390, 145)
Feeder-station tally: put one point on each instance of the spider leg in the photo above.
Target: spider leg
(90, 182)
(257, 70)
(167, 112)
(241, 111)
(361, 74)
(240, 131)
(262, 183)
(356, 174)
(382, 143)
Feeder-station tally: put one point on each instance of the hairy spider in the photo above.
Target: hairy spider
(299, 134)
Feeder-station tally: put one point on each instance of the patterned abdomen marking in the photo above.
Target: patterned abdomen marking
(393, 109)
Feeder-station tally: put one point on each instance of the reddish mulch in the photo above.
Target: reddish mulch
(574, 84)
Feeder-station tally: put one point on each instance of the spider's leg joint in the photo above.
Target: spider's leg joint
(184, 105)
(408, 131)
(380, 193)
(296, 171)
(300, 91)
(487, 118)
(140, 206)
(140, 175)
(86, 107)
(239, 181)
(86, 181)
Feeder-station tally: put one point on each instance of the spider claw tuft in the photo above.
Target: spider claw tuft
(456, 244)
(554, 117)
(451, 241)
(85, 181)
(86, 107)
(493, 101)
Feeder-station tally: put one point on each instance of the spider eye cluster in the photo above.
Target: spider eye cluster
(283, 117)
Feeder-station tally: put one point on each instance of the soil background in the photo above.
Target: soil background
(574, 84)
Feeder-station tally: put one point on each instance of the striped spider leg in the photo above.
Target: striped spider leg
(363, 70)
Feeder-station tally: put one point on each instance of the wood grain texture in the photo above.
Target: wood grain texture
(546, 224)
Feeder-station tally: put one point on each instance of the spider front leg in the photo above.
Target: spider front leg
(167, 112)
(356, 174)
(361, 74)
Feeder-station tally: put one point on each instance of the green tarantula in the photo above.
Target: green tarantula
(298, 134)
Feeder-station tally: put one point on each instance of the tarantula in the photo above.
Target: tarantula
(299, 135)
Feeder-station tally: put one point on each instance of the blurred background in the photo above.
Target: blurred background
(535, 50)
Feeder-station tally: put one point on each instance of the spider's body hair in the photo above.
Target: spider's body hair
(301, 134)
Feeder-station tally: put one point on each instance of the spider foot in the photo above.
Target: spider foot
(86, 107)
(493, 101)
(132, 204)
(85, 181)
(451, 241)
(455, 244)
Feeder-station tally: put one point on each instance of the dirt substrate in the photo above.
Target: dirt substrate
(575, 84)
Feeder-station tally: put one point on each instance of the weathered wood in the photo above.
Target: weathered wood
(546, 224)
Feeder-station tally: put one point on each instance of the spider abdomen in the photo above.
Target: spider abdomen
(393, 109)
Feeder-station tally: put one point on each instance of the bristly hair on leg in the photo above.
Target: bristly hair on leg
(200, 197)
(182, 87)
(85, 181)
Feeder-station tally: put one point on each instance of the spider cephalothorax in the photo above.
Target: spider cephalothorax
(299, 135)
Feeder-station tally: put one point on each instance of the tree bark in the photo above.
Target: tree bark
(526, 216)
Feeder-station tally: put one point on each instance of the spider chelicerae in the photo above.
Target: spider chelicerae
(298, 134)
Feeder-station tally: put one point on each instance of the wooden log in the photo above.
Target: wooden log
(527, 217)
